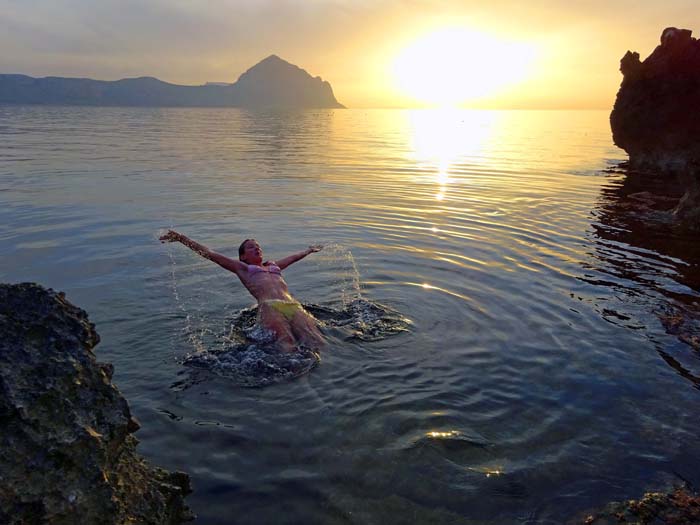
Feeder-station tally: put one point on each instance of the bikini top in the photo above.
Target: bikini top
(271, 267)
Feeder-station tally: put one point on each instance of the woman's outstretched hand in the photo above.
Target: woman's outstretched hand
(171, 236)
(315, 248)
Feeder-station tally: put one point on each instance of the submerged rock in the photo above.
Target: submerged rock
(655, 114)
(67, 450)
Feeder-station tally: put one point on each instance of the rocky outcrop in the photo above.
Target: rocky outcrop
(273, 82)
(67, 450)
(679, 507)
(655, 117)
(276, 82)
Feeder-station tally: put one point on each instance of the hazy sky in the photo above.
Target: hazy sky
(573, 51)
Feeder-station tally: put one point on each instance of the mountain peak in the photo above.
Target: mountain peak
(273, 64)
(273, 58)
(275, 82)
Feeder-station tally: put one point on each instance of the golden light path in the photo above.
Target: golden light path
(441, 137)
(454, 65)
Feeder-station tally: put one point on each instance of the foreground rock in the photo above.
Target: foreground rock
(67, 453)
(679, 507)
(655, 116)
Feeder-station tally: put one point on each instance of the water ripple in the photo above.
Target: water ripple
(549, 363)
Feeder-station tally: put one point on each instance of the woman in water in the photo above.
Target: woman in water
(278, 311)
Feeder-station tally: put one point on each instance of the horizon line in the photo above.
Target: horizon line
(361, 106)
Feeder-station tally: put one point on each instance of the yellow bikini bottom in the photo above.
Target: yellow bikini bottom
(286, 308)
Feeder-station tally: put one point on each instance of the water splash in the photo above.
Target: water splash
(245, 352)
(194, 336)
(362, 319)
(340, 259)
(255, 365)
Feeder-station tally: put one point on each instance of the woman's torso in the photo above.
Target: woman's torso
(265, 282)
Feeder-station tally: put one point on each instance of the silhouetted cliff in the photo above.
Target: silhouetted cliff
(655, 118)
(270, 83)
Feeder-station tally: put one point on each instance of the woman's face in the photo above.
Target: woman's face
(252, 253)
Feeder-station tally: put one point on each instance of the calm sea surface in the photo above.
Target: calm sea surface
(536, 382)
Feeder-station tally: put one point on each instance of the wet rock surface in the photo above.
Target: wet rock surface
(655, 115)
(67, 450)
(679, 507)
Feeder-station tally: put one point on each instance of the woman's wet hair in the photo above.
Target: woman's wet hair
(241, 248)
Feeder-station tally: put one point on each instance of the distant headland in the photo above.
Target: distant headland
(271, 83)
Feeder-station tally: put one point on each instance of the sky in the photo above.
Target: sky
(504, 54)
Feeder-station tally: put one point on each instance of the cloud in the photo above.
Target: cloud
(173, 36)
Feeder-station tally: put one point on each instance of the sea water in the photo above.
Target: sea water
(533, 374)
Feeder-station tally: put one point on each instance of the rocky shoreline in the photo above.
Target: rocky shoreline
(679, 507)
(67, 449)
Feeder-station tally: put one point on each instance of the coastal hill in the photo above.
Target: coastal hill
(273, 82)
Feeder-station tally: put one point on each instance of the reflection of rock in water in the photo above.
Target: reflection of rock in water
(635, 210)
(646, 256)
(247, 354)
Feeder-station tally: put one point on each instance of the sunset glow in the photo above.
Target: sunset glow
(390, 54)
(443, 137)
(455, 65)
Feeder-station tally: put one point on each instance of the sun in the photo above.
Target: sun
(456, 65)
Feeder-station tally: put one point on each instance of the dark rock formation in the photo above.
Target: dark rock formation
(275, 82)
(655, 118)
(679, 507)
(271, 83)
(67, 453)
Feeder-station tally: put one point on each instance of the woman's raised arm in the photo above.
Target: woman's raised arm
(232, 265)
(291, 259)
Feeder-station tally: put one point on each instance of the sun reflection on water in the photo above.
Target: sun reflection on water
(442, 138)
(442, 435)
(488, 471)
